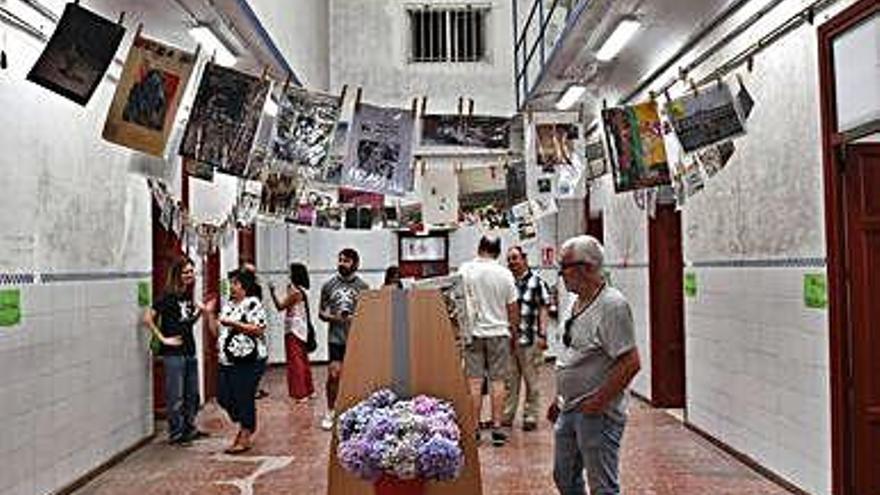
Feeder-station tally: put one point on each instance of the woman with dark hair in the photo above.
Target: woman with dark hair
(297, 321)
(170, 320)
(241, 340)
(392, 277)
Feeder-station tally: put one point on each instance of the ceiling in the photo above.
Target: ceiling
(666, 27)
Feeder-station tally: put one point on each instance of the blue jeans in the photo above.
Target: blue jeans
(181, 394)
(591, 442)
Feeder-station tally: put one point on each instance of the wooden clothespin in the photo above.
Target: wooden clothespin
(493, 172)
(694, 87)
(357, 97)
(750, 64)
(470, 107)
(718, 81)
(682, 74)
(810, 15)
(604, 104)
(666, 94)
(652, 95)
(139, 30)
(424, 104)
(265, 72)
(414, 107)
(342, 94)
(121, 18)
(739, 80)
(286, 83)
(422, 167)
(460, 105)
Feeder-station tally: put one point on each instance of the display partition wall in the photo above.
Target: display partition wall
(852, 219)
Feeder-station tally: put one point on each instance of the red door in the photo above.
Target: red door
(210, 288)
(247, 245)
(862, 203)
(666, 308)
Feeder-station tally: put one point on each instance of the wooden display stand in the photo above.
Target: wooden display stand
(404, 340)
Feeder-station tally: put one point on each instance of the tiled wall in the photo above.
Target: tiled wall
(76, 383)
(757, 368)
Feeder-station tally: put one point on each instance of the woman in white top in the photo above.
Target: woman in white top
(296, 333)
(241, 341)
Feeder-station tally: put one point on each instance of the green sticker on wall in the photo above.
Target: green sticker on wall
(224, 288)
(690, 284)
(10, 307)
(145, 294)
(815, 291)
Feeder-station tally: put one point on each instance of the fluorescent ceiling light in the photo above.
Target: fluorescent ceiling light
(618, 39)
(213, 45)
(571, 96)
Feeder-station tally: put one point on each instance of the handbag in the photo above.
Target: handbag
(311, 340)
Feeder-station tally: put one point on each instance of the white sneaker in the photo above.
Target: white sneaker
(327, 421)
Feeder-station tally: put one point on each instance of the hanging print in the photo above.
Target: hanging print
(483, 197)
(555, 145)
(705, 117)
(280, 194)
(380, 151)
(636, 148)
(304, 131)
(467, 131)
(715, 158)
(224, 119)
(78, 54)
(147, 96)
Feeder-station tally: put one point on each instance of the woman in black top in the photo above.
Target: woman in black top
(176, 312)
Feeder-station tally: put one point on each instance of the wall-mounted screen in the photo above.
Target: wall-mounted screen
(422, 248)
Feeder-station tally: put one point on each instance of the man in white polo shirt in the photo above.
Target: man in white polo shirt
(492, 297)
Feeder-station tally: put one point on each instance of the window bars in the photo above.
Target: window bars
(443, 34)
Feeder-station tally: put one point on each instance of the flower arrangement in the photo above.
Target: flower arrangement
(385, 435)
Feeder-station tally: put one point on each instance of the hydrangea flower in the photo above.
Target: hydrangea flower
(407, 439)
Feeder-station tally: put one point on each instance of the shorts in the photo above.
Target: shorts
(487, 356)
(337, 352)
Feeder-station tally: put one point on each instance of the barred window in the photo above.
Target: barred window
(447, 34)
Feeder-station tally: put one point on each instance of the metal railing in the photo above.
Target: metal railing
(531, 40)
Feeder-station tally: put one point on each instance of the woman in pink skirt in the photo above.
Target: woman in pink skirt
(295, 305)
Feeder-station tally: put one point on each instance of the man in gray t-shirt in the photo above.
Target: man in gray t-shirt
(593, 371)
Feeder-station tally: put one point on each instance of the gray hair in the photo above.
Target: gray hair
(586, 248)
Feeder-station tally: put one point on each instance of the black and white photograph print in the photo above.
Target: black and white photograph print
(468, 131)
(305, 129)
(380, 151)
(78, 54)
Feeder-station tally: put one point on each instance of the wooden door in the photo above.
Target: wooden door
(247, 245)
(862, 203)
(666, 308)
(210, 288)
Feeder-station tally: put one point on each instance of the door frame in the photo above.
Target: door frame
(835, 225)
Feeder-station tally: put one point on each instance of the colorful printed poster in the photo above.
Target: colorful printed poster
(636, 146)
(147, 96)
(556, 145)
(467, 131)
(361, 198)
(224, 119)
(380, 151)
(483, 197)
(411, 216)
(280, 194)
(705, 117)
(305, 129)
(78, 54)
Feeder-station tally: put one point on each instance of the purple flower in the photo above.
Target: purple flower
(417, 438)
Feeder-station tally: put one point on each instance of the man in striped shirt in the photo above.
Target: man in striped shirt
(534, 299)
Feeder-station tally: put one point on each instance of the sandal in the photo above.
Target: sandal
(237, 448)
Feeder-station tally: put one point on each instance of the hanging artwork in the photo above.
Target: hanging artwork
(304, 130)
(147, 96)
(467, 131)
(715, 158)
(249, 202)
(380, 151)
(391, 217)
(329, 218)
(482, 197)
(280, 194)
(596, 165)
(224, 119)
(516, 182)
(361, 207)
(745, 100)
(636, 148)
(332, 174)
(411, 216)
(78, 54)
(439, 193)
(523, 220)
(360, 198)
(705, 117)
(198, 169)
(555, 145)
(359, 217)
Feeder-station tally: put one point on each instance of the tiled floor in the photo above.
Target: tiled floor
(290, 457)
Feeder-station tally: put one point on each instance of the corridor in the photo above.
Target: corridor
(660, 456)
